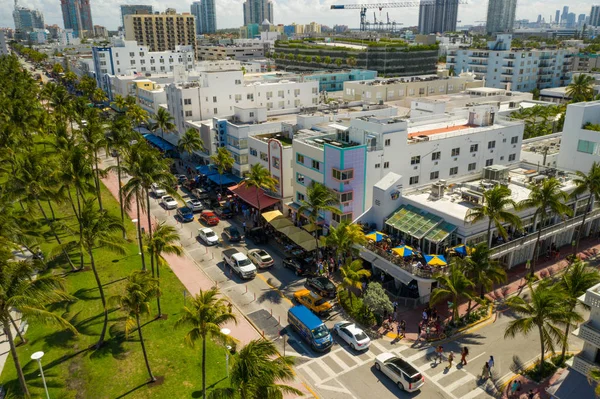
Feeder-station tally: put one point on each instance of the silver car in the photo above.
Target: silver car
(401, 372)
(354, 336)
(195, 205)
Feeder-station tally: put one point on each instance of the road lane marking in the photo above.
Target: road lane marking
(337, 360)
(340, 389)
(328, 370)
(419, 355)
(441, 375)
(380, 347)
(311, 374)
(481, 354)
(468, 377)
(474, 393)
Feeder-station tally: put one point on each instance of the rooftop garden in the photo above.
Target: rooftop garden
(592, 126)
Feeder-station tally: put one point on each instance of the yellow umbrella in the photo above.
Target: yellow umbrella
(435, 260)
(403, 250)
(375, 236)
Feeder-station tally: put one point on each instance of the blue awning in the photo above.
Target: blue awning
(206, 170)
(159, 142)
(226, 179)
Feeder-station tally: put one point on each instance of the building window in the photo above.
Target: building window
(264, 157)
(472, 166)
(455, 152)
(386, 165)
(474, 147)
(238, 82)
(187, 101)
(491, 144)
(300, 179)
(514, 140)
(299, 196)
(454, 171)
(377, 165)
(421, 91)
(253, 152)
(415, 160)
(300, 158)
(512, 157)
(434, 175)
(345, 217)
(250, 97)
(275, 162)
(587, 147)
(345, 197)
(188, 113)
(413, 180)
(436, 156)
(342, 175)
(489, 162)
(316, 165)
(215, 111)
(388, 142)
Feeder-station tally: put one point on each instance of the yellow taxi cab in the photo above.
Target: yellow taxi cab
(313, 301)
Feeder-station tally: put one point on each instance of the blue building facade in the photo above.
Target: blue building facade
(334, 81)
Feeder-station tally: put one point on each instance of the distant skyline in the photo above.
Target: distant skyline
(230, 12)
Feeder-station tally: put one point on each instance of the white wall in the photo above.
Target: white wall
(573, 155)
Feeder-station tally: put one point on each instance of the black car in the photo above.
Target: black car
(257, 235)
(224, 213)
(298, 266)
(322, 286)
(232, 234)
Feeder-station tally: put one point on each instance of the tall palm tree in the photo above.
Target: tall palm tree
(352, 276)
(545, 310)
(581, 88)
(135, 301)
(482, 270)
(255, 371)
(206, 314)
(594, 379)
(586, 183)
(261, 179)
(163, 241)
(98, 228)
(136, 115)
(496, 206)
(223, 161)
(548, 199)
(29, 297)
(574, 283)
(94, 134)
(319, 198)
(163, 121)
(454, 285)
(119, 103)
(190, 142)
(343, 238)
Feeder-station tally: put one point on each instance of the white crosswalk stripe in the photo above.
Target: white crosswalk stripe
(328, 370)
(466, 378)
(475, 392)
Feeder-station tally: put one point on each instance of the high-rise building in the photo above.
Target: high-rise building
(256, 11)
(77, 15)
(206, 16)
(571, 20)
(3, 43)
(439, 17)
(580, 20)
(501, 16)
(539, 20)
(100, 31)
(595, 16)
(132, 9)
(563, 16)
(26, 20)
(161, 32)
(557, 17)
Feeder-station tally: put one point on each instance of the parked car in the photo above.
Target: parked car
(168, 202)
(401, 372)
(185, 214)
(233, 234)
(257, 235)
(195, 205)
(354, 336)
(313, 301)
(208, 236)
(181, 179)
(298, 266)
(239, 263)
(157, 191)
(322, 286)
(209, 218)
(223, 213)
(200, 194)
(261, 258)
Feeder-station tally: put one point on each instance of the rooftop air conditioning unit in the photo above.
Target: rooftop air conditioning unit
(437, 189)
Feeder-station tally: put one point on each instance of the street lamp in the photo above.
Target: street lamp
(137, 236)
(38, 357)
(226, 332)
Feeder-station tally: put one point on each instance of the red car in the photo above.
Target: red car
(209, 218)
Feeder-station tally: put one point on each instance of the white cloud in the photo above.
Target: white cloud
(230, 15)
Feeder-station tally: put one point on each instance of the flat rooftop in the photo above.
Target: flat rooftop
(427, 131)
(549, 146)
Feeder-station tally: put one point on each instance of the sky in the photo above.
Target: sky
(230, 14)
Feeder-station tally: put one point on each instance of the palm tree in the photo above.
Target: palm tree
(319, 198)
(495, 208)
(207, 314)
(136, 115)
(29, 297)
(547, 198)
(594, 379)
(545, 309)
(581, 88)
(586, 183)
(574, 283)
(454, 285)
(224, 161)
(163, 121)
(135, 301)
(97, 231)
(261, 179)
(98, 96)
(119, 103)
(343, 238)
(255, 372)
(163, 241)
(95, 137)
(352, 276)
(190, 142)
(482, 270)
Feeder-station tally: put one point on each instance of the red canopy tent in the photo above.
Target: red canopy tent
(248, 195)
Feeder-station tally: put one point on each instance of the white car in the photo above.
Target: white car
(401, 372)
(208, 236)
(194, 205)
(354, 336)
(261, 258)
(169, 202)
(157, 191)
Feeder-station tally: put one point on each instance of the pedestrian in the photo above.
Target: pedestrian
(463, 355)
(434, 314)
(403, 328)
(450, 360)
(244, 226)
(439, 352)
(425, 315)
(419, 332)
(485, 373)
(491, 363)
(395, 306)
(427, 331)
(513, 388)
(399, 331)
(530, 394)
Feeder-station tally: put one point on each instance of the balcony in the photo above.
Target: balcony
(507, 73)
(582, 365)
(510, 57)
(589, 334)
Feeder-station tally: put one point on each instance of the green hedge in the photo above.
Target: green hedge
(356, 308)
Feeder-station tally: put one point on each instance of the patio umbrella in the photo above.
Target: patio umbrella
(403, 250)
(280, 222)
(435, 260)
(461, 249)
(375, 236)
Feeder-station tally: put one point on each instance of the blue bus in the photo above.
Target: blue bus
(310, 328)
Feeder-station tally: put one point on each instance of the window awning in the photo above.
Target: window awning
(207, 170)
(440, 232)
(413, 221)
(159, 142)
(249, 195)
(268, 216)
(226, 179)
(337, 126)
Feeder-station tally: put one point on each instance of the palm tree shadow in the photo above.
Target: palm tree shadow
(198, 394)
(132, 390)
(114, 346)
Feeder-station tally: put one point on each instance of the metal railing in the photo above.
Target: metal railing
(394, 260)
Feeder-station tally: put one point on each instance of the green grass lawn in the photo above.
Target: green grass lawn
(117, 370)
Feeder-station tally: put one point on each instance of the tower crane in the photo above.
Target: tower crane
(364, 7)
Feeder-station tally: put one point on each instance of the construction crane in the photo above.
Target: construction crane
(364, 7)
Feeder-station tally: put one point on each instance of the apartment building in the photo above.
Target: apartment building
(580, 145)
(241, 52)
(518, 70)
(416, 86)
(161, 32)
(585, 62)
(334, 80)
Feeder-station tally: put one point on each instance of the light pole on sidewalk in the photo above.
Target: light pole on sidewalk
(38, 357)
(226, 332)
